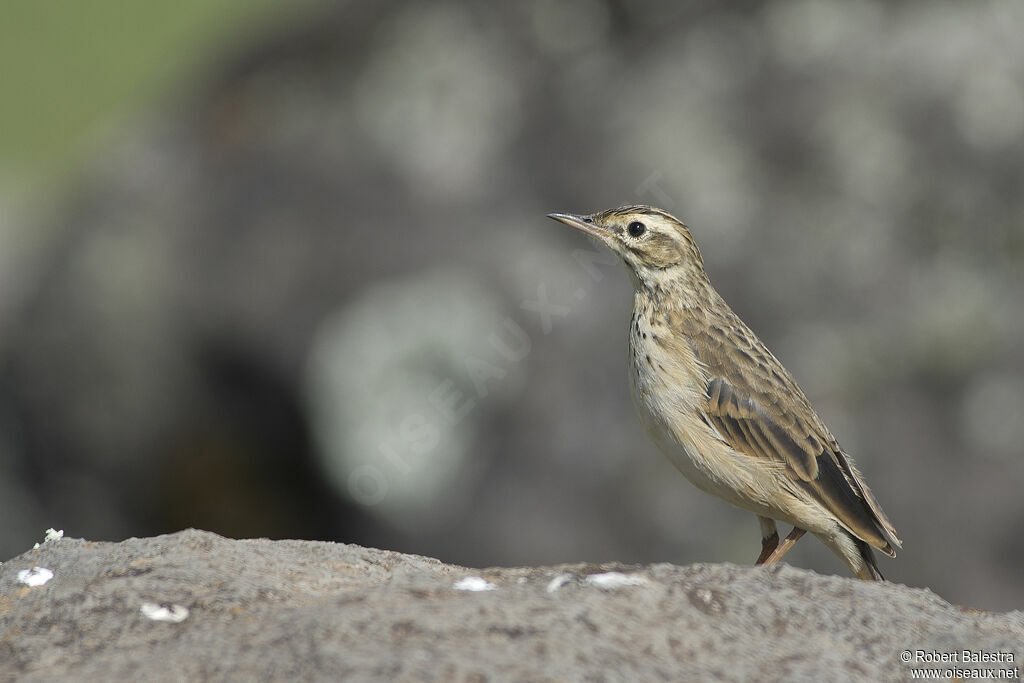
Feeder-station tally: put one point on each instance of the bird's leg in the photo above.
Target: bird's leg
(784, 547)
(769, 538)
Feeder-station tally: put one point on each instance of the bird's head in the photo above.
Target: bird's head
(654, 244)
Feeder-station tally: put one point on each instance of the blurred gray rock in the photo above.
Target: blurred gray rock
(196, 606)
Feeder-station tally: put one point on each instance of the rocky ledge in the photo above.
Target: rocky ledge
(196, 606)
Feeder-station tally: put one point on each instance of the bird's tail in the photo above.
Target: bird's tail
(869, 570)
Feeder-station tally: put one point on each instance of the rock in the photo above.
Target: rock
(197, 606)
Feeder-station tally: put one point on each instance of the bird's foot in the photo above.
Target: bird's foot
(768, 546)
(783, 547)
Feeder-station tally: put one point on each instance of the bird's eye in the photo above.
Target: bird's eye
(636, 228)
(588, 219)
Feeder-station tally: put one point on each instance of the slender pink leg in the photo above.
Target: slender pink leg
(784, 547)
(769, 538)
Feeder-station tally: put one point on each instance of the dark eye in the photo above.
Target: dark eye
(636, 228)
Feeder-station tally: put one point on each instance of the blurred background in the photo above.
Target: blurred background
(284, 271)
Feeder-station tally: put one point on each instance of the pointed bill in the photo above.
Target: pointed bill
(581, 223)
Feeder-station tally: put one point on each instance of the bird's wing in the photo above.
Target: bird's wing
(813, 460)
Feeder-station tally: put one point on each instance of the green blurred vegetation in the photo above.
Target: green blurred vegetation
(71, 69)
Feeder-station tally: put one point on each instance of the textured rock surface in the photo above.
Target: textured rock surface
(297, 610)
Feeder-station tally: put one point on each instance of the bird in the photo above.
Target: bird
(720, 405)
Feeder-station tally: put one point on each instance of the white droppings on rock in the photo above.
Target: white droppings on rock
(473, 583)
(559, 581)
(50, 535)
(613, 580)
(35, 577)
(173, 614)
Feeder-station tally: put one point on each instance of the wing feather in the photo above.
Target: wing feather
(824, 473)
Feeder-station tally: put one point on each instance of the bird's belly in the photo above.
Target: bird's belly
(696, 465)
(669, 404)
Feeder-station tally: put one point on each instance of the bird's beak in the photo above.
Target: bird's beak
(580, 223)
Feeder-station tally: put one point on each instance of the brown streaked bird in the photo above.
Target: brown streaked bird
(722, 408)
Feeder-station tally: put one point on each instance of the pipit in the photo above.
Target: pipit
(722, 408)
